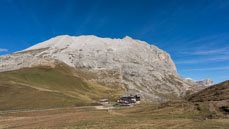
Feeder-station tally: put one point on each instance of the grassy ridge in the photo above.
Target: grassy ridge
(213, 101)
(46, 87)
(216, 92)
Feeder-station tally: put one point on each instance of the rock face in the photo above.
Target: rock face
(126, 63)
(205, 82)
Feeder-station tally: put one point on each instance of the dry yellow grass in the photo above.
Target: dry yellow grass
(144, 116)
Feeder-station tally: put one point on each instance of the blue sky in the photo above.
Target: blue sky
(194, 32)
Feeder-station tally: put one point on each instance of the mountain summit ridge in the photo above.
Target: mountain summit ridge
(92, 43)
(136, 66)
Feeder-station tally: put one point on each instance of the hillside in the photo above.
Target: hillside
(47, 87)
(216, 92)
(213, 101)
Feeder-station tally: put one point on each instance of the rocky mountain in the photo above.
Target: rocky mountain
(205, 82)
(129, 64)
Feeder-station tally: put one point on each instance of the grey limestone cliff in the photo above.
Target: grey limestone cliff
(137, 66)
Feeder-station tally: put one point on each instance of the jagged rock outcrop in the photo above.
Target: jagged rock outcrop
(205, 82)
(126, 63)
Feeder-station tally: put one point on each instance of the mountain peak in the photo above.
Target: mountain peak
(206, 82)
(128, 37)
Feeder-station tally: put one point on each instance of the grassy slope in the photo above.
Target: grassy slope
(217, 92)
(46, 87)
(212, 101)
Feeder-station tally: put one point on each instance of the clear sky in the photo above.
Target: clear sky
(194, 32)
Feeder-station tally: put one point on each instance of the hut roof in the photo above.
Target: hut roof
(103, 100)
